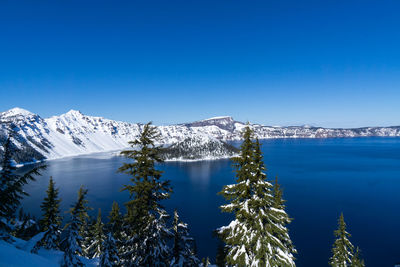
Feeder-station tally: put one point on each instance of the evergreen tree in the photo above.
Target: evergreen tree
(72, 241)
(83, 212)
(342, 248)
(87, 233)
(11, 187)
(144, 225)
(51, 207)
(282, 220)
(109, 253)
(50, 239)
(86, 223)
(151, 248)
(252, 238)
(356, 261)
(115, 220)
(183, 251)
(51, 220)
(221, 255)
(94, 249)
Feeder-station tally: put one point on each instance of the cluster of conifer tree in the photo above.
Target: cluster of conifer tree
(146, 235)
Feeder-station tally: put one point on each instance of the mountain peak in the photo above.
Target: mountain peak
(219, 118)
(224, 122)
(74, 112)
(16, 112)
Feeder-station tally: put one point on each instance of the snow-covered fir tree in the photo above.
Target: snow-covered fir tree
(72, 241)
(11, 187)
(252, 238)
(94, 249)
(151, 246)
(282, 220)
(356, 260)
(86, 222)
(109, 254)
(51, 221)
(86, 231)
(183, 251)
(342, 248)
(145, 230)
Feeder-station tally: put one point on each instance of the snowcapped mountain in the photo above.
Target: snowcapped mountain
(74, 133)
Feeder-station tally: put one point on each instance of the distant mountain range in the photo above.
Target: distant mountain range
(74, 133)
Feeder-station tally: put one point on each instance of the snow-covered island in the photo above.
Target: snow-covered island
(195, 148)
(74, 133)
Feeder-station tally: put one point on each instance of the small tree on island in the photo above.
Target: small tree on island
(254, 237)
(145, 223)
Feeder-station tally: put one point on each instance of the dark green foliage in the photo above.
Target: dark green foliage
(51, 220)
(115, 221)
(50, 239)
(144, 224)
(51, 207)
(279, 203)
(342, 248)
(151, 245)
(282, 219)
(72, 241)
(146, 189)
(95, 248)
(82, 209)
(109, 255)
(221, 255)
(28, 229)
(87, 235)
(183, 253)
(11, 186)
(254, 237)
(356, 261)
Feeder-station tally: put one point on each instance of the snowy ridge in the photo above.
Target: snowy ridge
(74, 133)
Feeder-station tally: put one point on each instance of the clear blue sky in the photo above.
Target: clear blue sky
(328, 63)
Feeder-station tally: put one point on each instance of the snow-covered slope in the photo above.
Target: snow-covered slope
(74, 133)
(17, 254)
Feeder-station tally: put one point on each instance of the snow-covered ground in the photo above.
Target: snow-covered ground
(18, 254)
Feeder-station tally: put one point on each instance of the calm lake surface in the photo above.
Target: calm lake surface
(320, 177)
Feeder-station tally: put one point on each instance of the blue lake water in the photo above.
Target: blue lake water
(320, 177)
